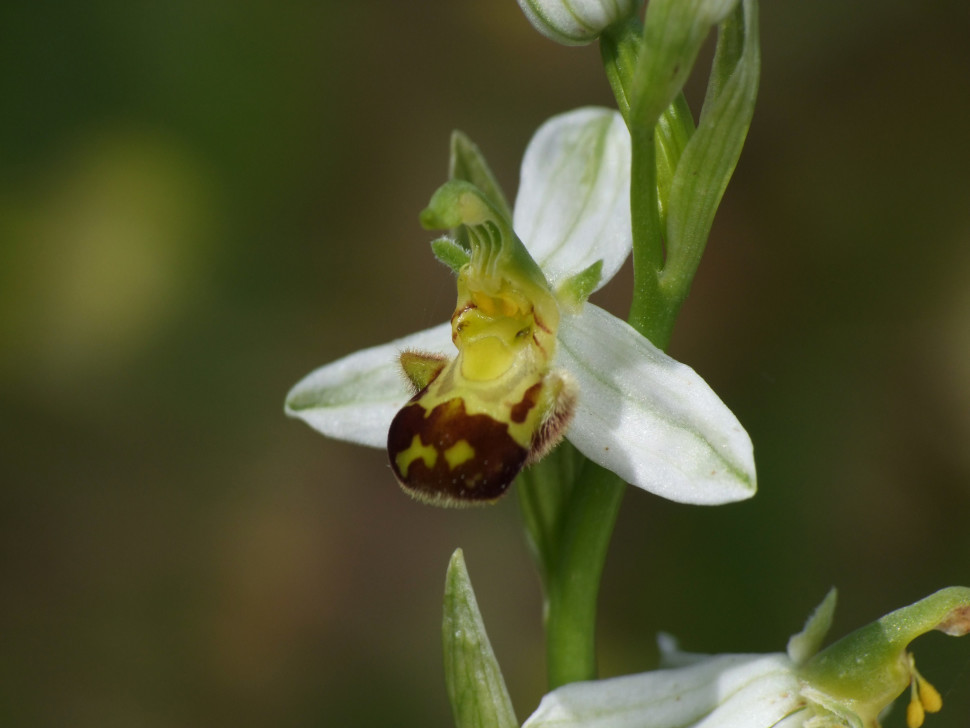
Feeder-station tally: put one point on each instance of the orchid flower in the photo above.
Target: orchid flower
(847, 685)
(535, 361)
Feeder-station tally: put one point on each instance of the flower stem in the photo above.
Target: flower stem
(649, 313)
(572, 581)
(574, 565)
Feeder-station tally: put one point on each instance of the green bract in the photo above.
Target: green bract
(476, 689)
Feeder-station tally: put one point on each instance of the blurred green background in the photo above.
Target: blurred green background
(202, 201)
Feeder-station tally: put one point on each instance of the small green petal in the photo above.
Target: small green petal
(575, 290)
(450, 253)
(421, 368)
(476, 688)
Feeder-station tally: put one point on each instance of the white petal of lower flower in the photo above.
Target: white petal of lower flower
(355, 398)
(573, 205)
(650, 419)
(760, 700)
(725, 691)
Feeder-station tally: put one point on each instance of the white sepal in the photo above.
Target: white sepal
(355, 398)
(650, 419)
(573, 205)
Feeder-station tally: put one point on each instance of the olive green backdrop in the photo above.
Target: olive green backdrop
(202, 201)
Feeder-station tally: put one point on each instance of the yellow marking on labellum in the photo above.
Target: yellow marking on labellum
(413, 452)
(459, 453)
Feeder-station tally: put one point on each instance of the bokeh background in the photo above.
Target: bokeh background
(202, 201)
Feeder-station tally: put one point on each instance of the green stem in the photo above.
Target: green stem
(573, 587)
(572, 583)
(572, 573)
(544, 491)
(646, 77)
(648, 313)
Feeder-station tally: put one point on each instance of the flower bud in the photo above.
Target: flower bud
(576, 22)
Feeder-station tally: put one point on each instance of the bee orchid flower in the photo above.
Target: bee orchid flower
(525, 359)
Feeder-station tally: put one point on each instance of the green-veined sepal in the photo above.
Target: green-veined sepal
(669, 432)
(355, 397)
